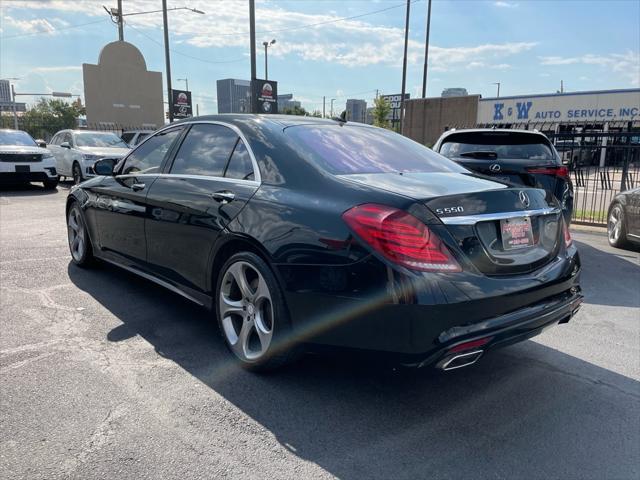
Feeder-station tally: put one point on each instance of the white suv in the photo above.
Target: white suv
(23, 161)
(77, 150)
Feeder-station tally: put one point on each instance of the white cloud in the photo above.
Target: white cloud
(627, 64)
(38, 25)
(62, 68)
(503, 4)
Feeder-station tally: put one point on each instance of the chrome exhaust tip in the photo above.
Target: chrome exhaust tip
(460, 360)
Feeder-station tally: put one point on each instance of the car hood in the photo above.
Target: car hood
(111, 152)
(425, 185)
(23, 149)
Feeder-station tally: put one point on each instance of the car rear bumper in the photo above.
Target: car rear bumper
(422, 331)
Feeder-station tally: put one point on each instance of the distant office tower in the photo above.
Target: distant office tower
(5, 91)
(356, 110)
(234, 96)
(286, 101)
(455, 92)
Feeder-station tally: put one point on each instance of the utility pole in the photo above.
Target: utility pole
(426, 52)
(332, 100)
(15, 112)
(167, 58)
(323, 107)
(498, 84)
(120, 22)
(197, 109)
(252, 39)
(404, 63)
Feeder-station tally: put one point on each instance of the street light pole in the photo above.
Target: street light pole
(15, 112)
(332, 100)
(426, 52)
(404, 63)
(498, 84)
(186, 83)
(167, 58)
(266, 46)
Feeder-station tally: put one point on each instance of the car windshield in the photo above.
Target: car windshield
(492, 145)
(16, 137)
(354, 149)
(99, 139)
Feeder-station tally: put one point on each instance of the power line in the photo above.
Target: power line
(53, 30)
(185, 54)
(308, 25)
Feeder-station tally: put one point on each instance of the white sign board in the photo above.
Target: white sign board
(584, 107)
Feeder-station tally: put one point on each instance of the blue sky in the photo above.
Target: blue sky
(527, 45)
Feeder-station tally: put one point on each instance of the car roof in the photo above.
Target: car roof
(274, 119)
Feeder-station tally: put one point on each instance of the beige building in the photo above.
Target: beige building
(120, 91)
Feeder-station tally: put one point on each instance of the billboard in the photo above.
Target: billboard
(265, 94)
(597, 107)
(181, 104)
(396, 102)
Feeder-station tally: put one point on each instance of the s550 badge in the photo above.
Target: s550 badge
(449, 210)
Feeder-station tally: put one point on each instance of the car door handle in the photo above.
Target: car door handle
(136, 187)
(223, 196)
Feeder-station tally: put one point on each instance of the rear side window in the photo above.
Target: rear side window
(497, 145)
(127, 137)
(354, 149)
(240, 165)
(205, 150)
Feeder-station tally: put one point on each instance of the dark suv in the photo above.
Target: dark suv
(518, 157)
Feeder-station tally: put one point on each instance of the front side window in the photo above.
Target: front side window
(240, 165)
(205, 150)
(148, 157)
(127, 137)
(16, 137)
(66, 137)
(353, 149)
(497, 145)
(99, 139)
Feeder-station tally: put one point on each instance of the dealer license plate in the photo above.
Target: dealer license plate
(23, 169)
(516, 233)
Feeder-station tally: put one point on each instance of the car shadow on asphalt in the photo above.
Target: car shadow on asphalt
(598, 284)
(527, 411)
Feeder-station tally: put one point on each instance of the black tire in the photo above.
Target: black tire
(84, 258)
(617, 239)
(50, 184)
(281, 349)
(76, 172)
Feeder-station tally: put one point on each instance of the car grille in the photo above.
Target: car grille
(20, 157)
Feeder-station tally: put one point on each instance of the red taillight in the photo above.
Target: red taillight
(401, 238)
(557, 171)
(470, 345)
(567, 236)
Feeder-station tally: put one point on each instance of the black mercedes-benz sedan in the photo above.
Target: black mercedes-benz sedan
(298, 231)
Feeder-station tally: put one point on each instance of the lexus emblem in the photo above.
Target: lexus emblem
(495, 168)
(524, 198)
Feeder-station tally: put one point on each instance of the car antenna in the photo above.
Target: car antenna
(342, 118)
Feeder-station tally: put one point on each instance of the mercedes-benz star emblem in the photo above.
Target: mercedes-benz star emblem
(495, 168)
(524, 198)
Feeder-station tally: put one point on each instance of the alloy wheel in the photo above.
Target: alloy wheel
(246, 311)
(76, 233)
(614, 225)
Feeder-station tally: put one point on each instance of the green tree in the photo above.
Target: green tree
(50, 115)
(381, 110)
(295, 110)
(316, 113)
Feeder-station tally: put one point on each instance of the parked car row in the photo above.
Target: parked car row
(298, 231)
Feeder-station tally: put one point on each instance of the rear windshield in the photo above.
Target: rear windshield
(493, 145)
(353, 149)
(16, 137)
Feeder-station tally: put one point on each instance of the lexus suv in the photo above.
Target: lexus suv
(523, 158)
(77, 150)
(23, 161)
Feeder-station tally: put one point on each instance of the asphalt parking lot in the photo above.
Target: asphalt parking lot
(104, 375)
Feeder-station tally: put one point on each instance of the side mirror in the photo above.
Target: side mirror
(104, 166)
(65, 145)
(41, 143)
